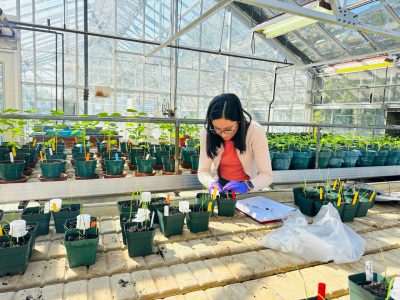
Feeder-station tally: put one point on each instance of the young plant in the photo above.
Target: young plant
(110, 129)
(80, 129)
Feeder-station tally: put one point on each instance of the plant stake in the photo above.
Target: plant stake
(321, 291)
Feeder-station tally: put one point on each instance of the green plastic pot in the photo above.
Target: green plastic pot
(86, 169)
(195, 162)
(296, 192)
(359, 293)
(61, 216)
(33, 233)
(57, 156)
(81, 155)
(198, 219)
(145, 165)
(52, 168)
(81, 252)
(139, 243)
(114, 167)
(23, 157)
(133, 154)
(154, 207)
(392, 157)
(281, 160)
(319, 204)
(171, 225)
(186, 156)
(362, 208)
(168, 164)
(203, 199)
(123, 146)
(380, 158)
(4, 153)
(14, 260)
(42, 219)
(336, 159)
(226, 207)
(350, 158)
(32, 154)
(349, 212)
(300, 160)
(323, 159)
(306, 204)
(126, 208)
(158, 155)
(366, 158)
(11, 171)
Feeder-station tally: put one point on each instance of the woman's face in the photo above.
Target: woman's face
(225, 128)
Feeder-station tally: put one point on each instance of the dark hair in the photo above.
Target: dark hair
(226, 106)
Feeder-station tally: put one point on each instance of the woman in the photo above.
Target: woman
(236, 147)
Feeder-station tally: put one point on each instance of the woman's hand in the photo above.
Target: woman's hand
(236, 186)
(212, 185)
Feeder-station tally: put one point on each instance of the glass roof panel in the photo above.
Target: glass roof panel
(302, 46)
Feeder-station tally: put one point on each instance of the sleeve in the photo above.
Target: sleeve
(204, 171)
(259, 145)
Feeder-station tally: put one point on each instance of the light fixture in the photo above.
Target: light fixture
(287, 22)
(361, 65)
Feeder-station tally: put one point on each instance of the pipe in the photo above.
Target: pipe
(273, 99)
(181, 121)
(86, 58)
(188, 48)
(56, 71)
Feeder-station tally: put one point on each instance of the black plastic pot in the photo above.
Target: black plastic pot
(61, 216)
(323, 159)
(171, 225)
(349, 212)
(198, 219)
(31, 214)
(392, 157)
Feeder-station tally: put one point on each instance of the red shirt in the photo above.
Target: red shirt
(230, 167)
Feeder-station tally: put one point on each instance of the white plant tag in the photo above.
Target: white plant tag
(147, 156)
(88, 137)
(166, 210)
(146, 197)
(369, 274)
(184, 207)
(83, 222)
(142, 215)
(11, 157)
(152, 218)
(395, 292)
(18, 228)
(51, 151)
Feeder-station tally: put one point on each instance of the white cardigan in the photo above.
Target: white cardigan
(255, 160)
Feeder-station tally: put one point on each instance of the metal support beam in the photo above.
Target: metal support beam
(191, 25)
(86, 59)
(391, 11)
(349, 21)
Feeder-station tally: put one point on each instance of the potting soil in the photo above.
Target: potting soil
(378, 289)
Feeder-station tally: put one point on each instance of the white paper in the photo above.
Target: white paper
(395, 292)
(263, 209)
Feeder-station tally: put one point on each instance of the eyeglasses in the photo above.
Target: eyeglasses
(224, 131)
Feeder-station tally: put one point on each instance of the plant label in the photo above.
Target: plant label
(320, 193)
(355, 198)
(18, 228)
(116, 156)
(14, 152)
(166, 210)
(395, 292)
(53, 146)
(34, 143)
(51, 151)
(147, 156)
(146, 197)
(76, 140)
(209, 207)
(41, 155)
(168, 200)
(81, 150)
(372, 196)
(1, 230)
(11, 157)
(335, 184)
(369, 275)
(87, 156)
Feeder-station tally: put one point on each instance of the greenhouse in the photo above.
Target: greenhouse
(192, 149)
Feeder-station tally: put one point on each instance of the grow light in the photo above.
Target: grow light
(361, 65)
(287, 23)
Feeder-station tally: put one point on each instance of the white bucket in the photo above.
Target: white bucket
(18, 228)
(184, 206)
(83, 222)
(55, 204)
(146, 197)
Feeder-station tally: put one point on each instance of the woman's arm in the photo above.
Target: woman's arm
(259, 145)
(204, 171)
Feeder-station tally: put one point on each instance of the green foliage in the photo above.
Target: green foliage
(80, 129)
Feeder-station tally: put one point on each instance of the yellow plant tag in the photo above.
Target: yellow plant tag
(355, 198)
(76, 140)
(168, 200)
(335, 184)
(214, 196)
(14, 152)
(372, 196)
(53, 146)
(54, 207)
(41, 155)
(339, 201)
(87, 156)
(34, 143)
(1, 230)
(320, 193)
(209, 206)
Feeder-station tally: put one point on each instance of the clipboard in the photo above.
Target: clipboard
(264, 210)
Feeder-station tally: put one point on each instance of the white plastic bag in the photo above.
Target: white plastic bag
(326, 239)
